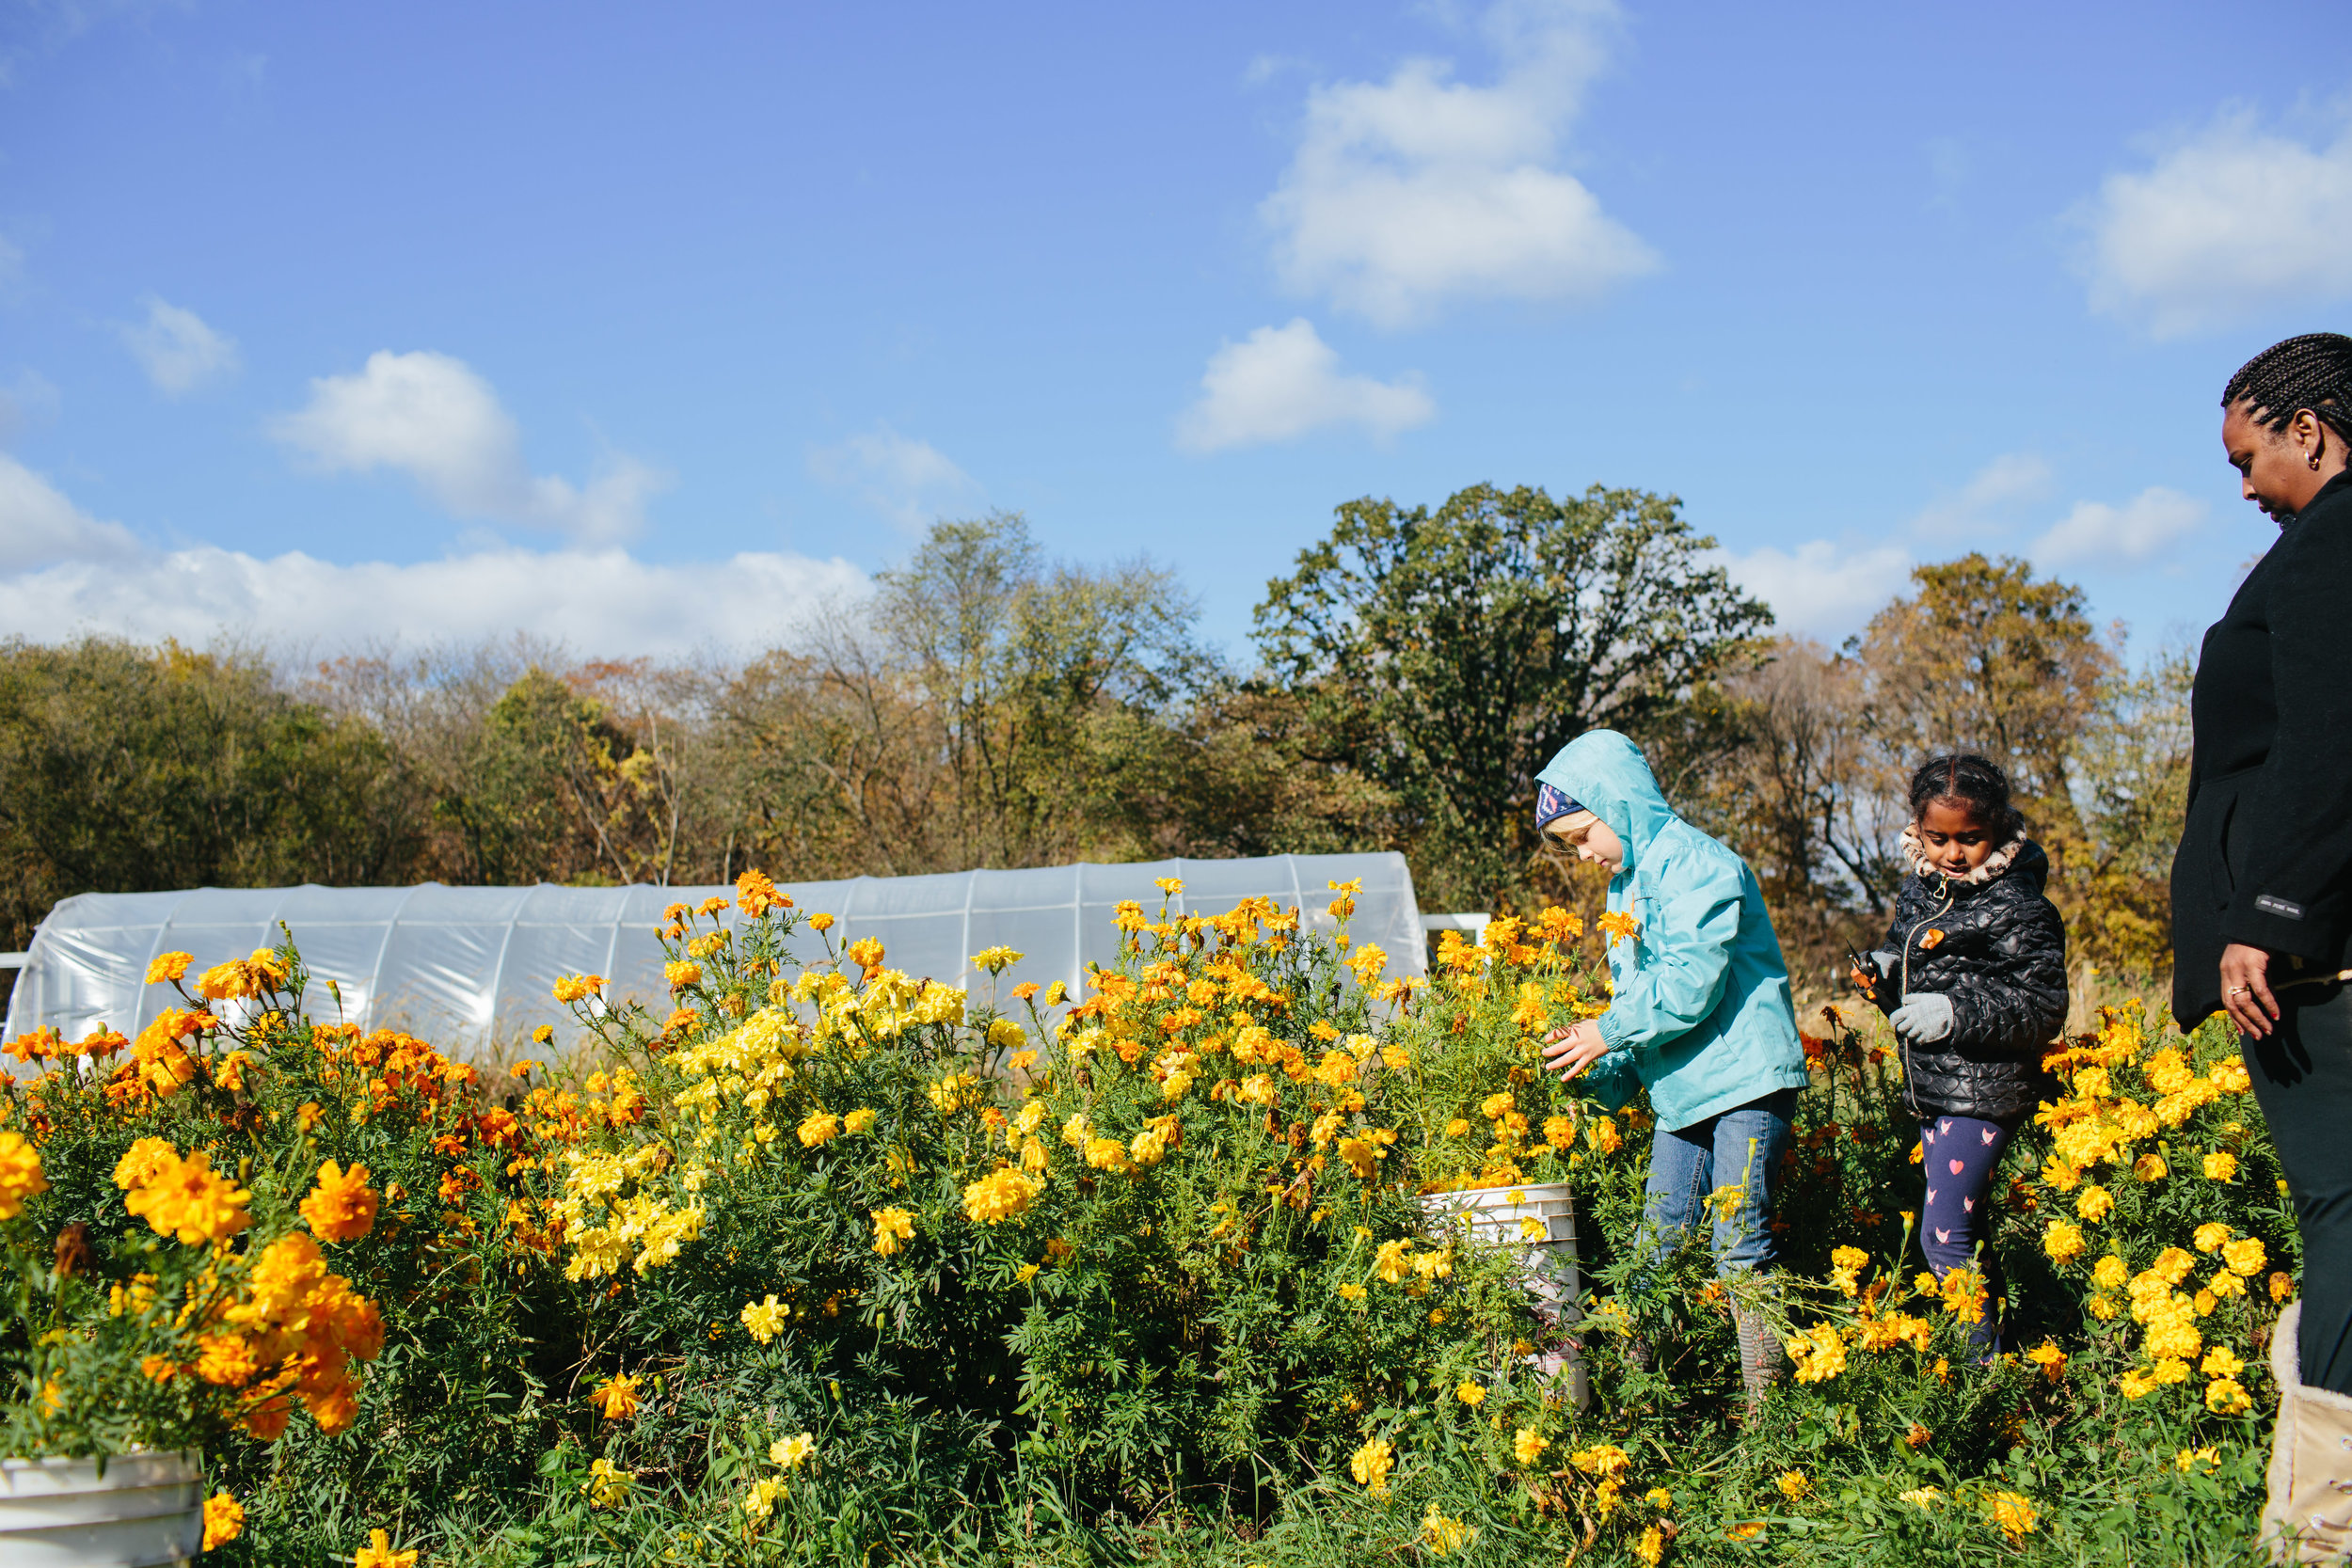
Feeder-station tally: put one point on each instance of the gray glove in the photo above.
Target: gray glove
(1924, 1018)
(1888, 960)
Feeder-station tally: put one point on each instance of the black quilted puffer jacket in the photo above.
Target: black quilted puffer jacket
(2002, 961)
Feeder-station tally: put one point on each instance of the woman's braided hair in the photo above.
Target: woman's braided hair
(1971, 781)
(2311, 372)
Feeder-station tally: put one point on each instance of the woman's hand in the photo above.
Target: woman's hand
(1570, 1051)
(2245, 990)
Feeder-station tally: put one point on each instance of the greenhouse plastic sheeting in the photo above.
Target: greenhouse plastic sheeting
(470, 968)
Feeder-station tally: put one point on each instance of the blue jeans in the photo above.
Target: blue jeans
(1737, 1149)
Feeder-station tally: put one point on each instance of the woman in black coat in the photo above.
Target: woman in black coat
(2261, 885)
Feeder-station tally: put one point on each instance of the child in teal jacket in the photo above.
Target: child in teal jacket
(1699, 1015)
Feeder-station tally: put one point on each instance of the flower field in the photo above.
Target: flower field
(835, 1265)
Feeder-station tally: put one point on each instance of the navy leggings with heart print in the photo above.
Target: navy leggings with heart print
(1959, 1154)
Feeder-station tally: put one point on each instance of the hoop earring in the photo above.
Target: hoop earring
(2311, 457)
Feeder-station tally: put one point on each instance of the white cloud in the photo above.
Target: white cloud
(2224, 223)
(1822, 589)
(39, 526)
(1281, 383)
(1981, 505)
(432, 417)
(1409, 192)
(911, 482)
(2129, 535)
(603, 601)
(177, 350)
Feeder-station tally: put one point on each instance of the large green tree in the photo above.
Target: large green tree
(1449, 652)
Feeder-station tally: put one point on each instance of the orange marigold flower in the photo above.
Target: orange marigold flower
(342, 1208)
(19, 1174)
(169, 966)
(224, 1520)
(379, 1553)
(616, 1396)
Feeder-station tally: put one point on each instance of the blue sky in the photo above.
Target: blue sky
(643, 328)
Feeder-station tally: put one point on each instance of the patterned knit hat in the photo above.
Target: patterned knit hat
(1551, 805)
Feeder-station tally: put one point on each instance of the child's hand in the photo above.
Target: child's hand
(1570, 1051)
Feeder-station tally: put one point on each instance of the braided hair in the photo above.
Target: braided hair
(1972, 781)
(2311, 372)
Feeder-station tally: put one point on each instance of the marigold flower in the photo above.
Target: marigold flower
(2063, 1241)
(2013, 1514)
(818, 1127)
(1527, 1445)
(2282, 1287)
(573, 988)
(892, 1226)
(342, 1208)
(1003, 1194)
(171, 966)
(2188, 1458)
(2051, 1359)
(1602, 1134)
(858, 1120)
(224, 1517)
(867, 953)
(1443, 1535)
(761, 1501)
(1794, 1485)
(765, 1319)
(2220, 1166)
(756, 894)
(183, 1198)
(1005, 1035)
(1923, 1499)
(2109, 1274)
(616, 1396)
(2150, 1167)
(792, 1452)
(2244, 1257)
(820, 923)
(379, 1553)
(1371, 1464)
(19, 1174)
(2095, 1203)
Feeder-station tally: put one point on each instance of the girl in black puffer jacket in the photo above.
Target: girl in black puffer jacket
(1973, 977)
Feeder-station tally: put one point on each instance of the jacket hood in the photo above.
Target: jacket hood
(1607, 775)
(2021, 862)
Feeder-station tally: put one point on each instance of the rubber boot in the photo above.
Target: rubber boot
(2308, 1514)
(1760, 1355)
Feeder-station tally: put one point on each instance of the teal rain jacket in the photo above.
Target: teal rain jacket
(1701, 1013)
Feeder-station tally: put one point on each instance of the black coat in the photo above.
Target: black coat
(2266, 858)
(2002, 961)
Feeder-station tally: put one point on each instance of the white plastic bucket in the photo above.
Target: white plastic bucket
(147, 1509)
(1495, 1217)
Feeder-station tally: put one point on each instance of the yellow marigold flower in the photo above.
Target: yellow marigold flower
(2150, 1167)
(1794, 1485)
(1055, 994)
(1602, 1134)
(573, 988)
(2220, 1166)
(607, 1484)
(1923, 1499)
(765, 1319)
(2188, 1458)
(1352, 1290)
(1371, 1464)
(19, 1174)
(820, 923)
(379, 1553)
(2225, 1285)
(1456, 1127)
(2172, 1265)
(792, 1452)
(1471, 1394)
(818, 1127)
(170, 966)
(183, 1198)
(2221, 1361)
(2210, 1236)
(892, 1226)
(1651, 1546)
(1819, 1354)
(1445, 1536)
(2051, 1359)
(996, 959)
(616, 1396)
(2244, 1257)
(1527, 1445)
(1001, 1195)
(342, 1208)
(1658, 1497)
(1005, 1035)
(681, 973)
(2095, 1203)
(1393, 1262)
(224, 1517)
(2013, 1514)
(867, 953)
(2110, 1273)
(2226, 1396)
(858, 1120)
(761, 1501)
(2063, 1241)
(2231, 1076)
(1747, 1532)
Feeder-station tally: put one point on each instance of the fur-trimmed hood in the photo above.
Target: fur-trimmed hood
(1996, 865)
